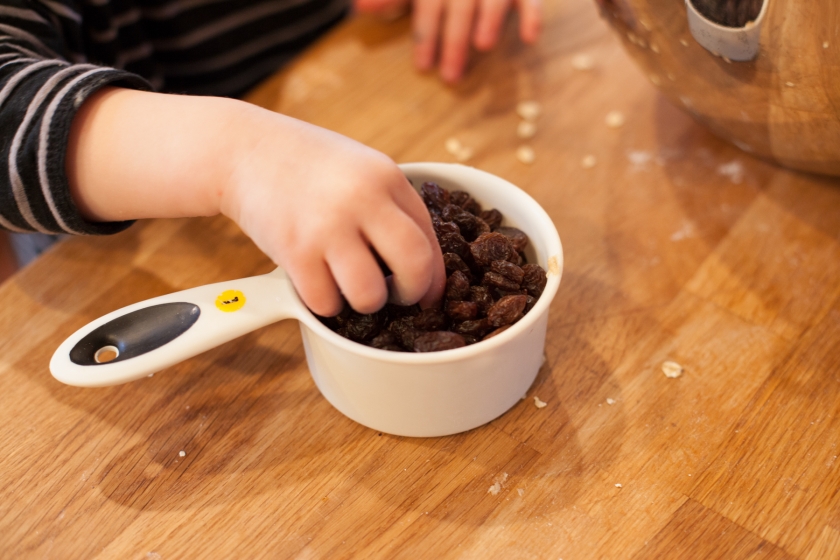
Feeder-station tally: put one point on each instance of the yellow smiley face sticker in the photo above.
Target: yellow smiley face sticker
(230, 300)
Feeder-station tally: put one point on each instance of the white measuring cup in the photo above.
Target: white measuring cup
(400, 393)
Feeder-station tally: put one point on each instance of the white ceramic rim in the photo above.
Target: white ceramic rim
(553, 248)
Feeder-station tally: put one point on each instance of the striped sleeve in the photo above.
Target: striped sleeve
(40, 92)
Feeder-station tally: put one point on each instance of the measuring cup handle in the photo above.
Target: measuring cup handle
(146, 337)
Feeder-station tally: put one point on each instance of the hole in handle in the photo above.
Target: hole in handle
(106, 354)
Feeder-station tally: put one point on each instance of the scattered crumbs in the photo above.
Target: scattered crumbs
(734, 170)
(182, 453)
(521, 492)
(526, 129)
(588, 162)
(672, 77)
(553, 266)
(683, 42)
(654, 47)
(825, 44)
(538, 403)
(790, 84)
(672, 369)
(654, 79)
(689, 474)
(685, 232)
(639, 158)
(610, 401)
(528, 110)
(614, 119)
(645, 24)
(583, 62)
(743, 145)
(545, 359)
(525, 154)
(453, 145)
(464, 154)
(618, 485)
(726, 60)
(497, 486)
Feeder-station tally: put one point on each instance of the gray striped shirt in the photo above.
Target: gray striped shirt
(55, 53)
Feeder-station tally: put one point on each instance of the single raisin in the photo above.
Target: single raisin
(493, 218)
(386, 341)
(453, 262)
(473, 207)
(467, 223)
(496, 280)
(534, 280)
(489, 247)
(430, 320)
(529, 303)
(508, 270)
(443, 227)
(517, 237)
(461, 310)
(438, 340)
(404, 331)
(454, 243)
(457, 286)
(434, 196)
(362, 328)
(481, 227)
(459, 197)
(481, 296)
(473, 327)
(506, 311)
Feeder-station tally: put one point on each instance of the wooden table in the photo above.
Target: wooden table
(678, 247)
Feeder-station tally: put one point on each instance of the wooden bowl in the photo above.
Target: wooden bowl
(782, 104)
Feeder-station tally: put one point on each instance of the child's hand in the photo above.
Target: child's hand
(314, 201)
(454, 24)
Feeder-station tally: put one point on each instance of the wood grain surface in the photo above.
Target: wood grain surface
(678, 247)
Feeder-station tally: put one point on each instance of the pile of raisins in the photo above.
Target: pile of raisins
(489, 284)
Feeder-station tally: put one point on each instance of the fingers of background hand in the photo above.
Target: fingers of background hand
(357, 274)
(379, 6)
(456, 38)
(315, 286)
(530, 19)
(491, 15)
(404, 247)
(426, 28)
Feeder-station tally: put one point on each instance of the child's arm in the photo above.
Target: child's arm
(312, 200)
(450, 26)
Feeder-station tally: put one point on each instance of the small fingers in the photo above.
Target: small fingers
(410, 202)
(316, 287)
(456, 38)
(404, 247)
(357, 274)
(491, 15)
(530, 20)
(426, 29)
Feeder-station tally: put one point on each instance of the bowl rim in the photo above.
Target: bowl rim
(554, 250)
